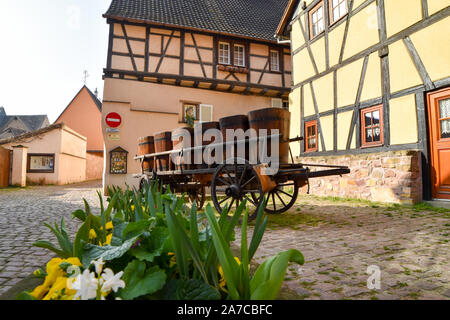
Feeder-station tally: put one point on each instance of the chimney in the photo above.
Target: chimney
(96, 92)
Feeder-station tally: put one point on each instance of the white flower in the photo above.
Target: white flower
(111, 282)
(86, 285)
(98, 265)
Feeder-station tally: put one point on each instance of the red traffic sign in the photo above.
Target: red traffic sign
(113, 120)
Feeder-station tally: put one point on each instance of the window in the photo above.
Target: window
(190, 111)
(316, 20)
(274, 60)
(224, 53)
(239, 55)
(206, 113)
(311, 136)
(338, 9)
(41, 163)
(444, 118)
(372, 126)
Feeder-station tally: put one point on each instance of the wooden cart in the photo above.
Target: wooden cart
(237, 179)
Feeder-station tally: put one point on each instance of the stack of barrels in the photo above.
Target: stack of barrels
(269, 119)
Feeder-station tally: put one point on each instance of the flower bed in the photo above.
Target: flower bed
(151, 245)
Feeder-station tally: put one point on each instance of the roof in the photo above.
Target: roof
(31, 134)
(97, 102)
(31, 123)
(257, 19)
(286, 17)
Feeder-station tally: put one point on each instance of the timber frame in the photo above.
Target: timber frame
(382, 49)
(238, 80)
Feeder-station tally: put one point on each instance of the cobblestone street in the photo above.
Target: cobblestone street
(22, 216)
(339, 239)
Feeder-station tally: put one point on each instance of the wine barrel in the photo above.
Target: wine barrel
(273, 118)
(146, 145)
(183, 138)
(235, 123)
(199, 130)
(163, 143)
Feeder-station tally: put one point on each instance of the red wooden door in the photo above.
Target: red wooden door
(439, 120)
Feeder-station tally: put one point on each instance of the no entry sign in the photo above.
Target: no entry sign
(113, 120)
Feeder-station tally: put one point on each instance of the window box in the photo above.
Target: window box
(222, 67)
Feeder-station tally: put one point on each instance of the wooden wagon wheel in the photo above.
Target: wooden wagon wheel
(232, 183)
(282, 198)
(199, 196)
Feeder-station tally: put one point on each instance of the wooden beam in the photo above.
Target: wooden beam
(419, 64)
(165, 51)
(129, 47)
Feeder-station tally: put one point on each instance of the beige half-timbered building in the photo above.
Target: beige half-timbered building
(371, 89)
(206, 58)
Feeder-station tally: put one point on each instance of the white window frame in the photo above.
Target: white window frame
(275, 66)
(237, 57)
(224, 59)
(341, 12)
(315, 20)
(201, 112)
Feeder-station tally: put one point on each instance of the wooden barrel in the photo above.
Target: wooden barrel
(183, 138)
(199, 130)
(163, 143)
(146, 145)
(273, 118)
(235, 123)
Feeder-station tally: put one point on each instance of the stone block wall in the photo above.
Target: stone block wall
(392, 177)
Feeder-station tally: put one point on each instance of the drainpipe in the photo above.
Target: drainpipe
(280, 41)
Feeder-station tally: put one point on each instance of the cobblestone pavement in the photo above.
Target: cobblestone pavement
(22, 214)
(341, 239)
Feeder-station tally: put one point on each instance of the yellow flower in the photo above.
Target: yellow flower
(92, 234)
(107, 242)
(223, 281)
(109, 226)
(53, 273)
(56, 291)
(173, 260)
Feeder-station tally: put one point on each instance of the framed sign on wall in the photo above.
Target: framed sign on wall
(118, 161)
(41, 163)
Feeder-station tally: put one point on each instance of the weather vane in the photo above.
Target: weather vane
(85, 76)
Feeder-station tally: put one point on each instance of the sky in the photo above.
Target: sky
(45, 46)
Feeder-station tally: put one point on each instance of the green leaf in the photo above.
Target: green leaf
(269, 277)
(194, 289)
(134, 229)
(229, 265)
(140, 281)
(108, 253)
(82, 237)
(79, 214)
(25, 296)
(153, 246)
(48, 245)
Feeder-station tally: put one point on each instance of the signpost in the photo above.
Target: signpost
(113, 120)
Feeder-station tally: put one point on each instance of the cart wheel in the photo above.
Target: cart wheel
(199, 196)
(232, 183)
(282, 198)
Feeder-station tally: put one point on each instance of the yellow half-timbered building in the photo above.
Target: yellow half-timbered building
(371, 89)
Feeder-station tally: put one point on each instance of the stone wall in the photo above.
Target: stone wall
(393, 177)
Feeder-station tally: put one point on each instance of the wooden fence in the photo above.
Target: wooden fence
(4, 167)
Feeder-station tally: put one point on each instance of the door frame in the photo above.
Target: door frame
(431, 97)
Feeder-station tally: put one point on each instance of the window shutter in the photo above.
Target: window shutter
(277, 103)
(206, 113)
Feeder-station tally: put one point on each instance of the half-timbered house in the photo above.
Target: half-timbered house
(372, 90)
(206, 58)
